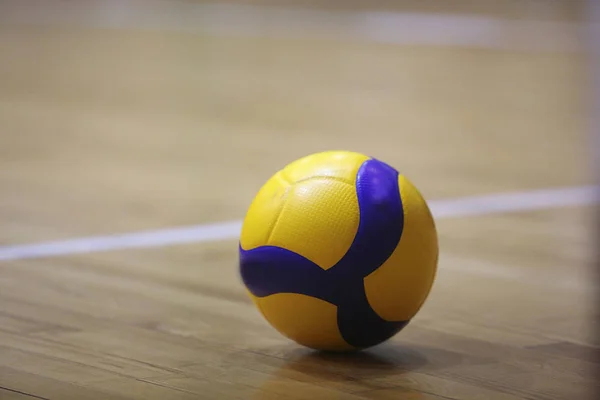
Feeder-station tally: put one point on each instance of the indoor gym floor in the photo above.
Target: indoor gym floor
(113, 127)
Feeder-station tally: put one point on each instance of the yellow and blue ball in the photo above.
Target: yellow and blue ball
(338, 251)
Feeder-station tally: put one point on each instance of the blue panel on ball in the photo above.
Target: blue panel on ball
(381, 221)
(379, 231)
(269, 270)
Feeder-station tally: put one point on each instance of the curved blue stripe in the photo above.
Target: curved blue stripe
(378, 235)
(268, 270)
(381, 220)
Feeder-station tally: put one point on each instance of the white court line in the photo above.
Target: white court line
(403, 28)
(458, 207)
(573, 279)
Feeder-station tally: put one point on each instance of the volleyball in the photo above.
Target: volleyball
(338, 251)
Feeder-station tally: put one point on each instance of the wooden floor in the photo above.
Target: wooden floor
(109, 131)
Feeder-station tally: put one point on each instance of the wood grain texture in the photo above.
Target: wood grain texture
(107, 131)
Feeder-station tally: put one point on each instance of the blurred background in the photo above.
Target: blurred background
(124, 120)
(160, 100)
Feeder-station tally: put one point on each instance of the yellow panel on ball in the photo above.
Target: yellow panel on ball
(307, 320)
(316, 211)
(397, 289)
(262, 213)
(304, 206)
(342, 165)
